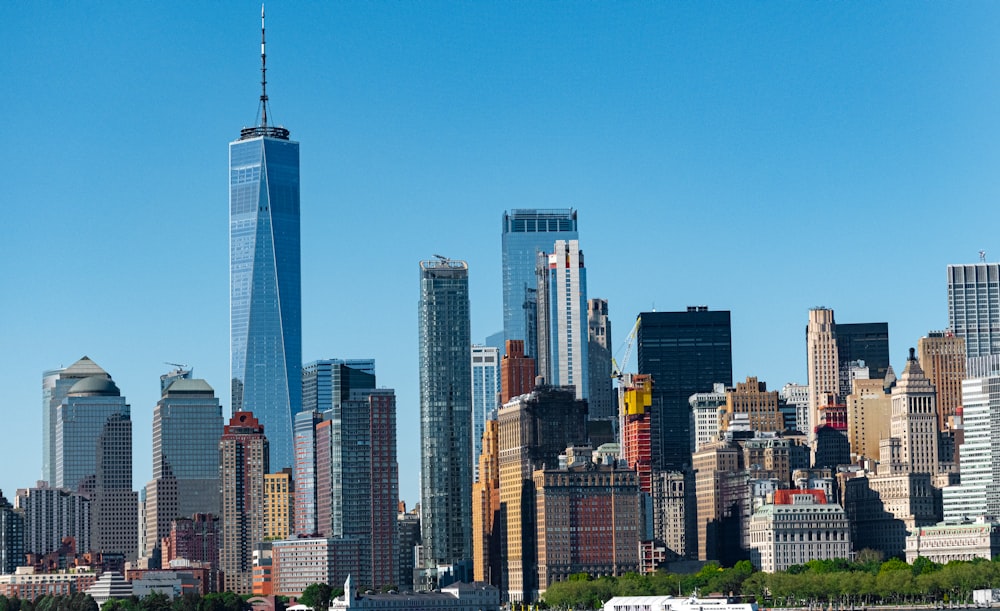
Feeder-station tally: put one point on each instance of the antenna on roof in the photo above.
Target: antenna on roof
(982, 256)
(263, 72)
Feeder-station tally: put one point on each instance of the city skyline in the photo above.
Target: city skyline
(729, 134)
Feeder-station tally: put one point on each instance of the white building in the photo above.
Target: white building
(671, 603)
(562, 311)
(706, 408)
(109, 585)
(979, 455)
(456, 597)
(797, 396)
(798, 527)
(943, 542)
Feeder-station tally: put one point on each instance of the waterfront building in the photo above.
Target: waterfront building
(798, 526)
(945, 542)
(454, 597)
(265, 278)
(671, 603)
(979, 456)
(685, 353)
(525, 233)
(445, 412)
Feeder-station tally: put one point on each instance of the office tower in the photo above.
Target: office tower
(979, 493)
(305, 471)
(55, 384)
(265, 302)
(485, 391)
(588, 521)
(89, 405)
(51, 515)
(11, 537)
(327, 382)
(357, 483)
(942, 357)
(533, 430)
(866, 341)
(244, 458)
(600, 397)
(674, 514)
(279, 505)
(974, 306)
(526, 232)
(445, 412)
(517, 372)
(869, 407)
(408, 536)
(762, 407)
(706, 410)
(562, 307)
(686, 353)
(914, 419)
(486, 536)
(187, 424)
(720, 485)
(114, 526)
(796, 397)
(823, 362)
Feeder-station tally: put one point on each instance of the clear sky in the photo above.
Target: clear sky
(761, 157)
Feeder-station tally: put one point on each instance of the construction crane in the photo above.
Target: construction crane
(177, 365)
(618, 373)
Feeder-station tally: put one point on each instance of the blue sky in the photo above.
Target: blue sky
(760, 157)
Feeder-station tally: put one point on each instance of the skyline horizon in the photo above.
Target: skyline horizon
(778, 157)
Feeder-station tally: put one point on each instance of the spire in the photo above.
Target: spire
(263, 129)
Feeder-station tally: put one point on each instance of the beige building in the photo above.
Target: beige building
(243, 454)
(823, 362)
(869, 409)
(674, 514)
(943, 543)
(715, 467)
(760, 405)
(942, 357)
(914, 420)
(799, 526)
(279, 503)
(485, 507)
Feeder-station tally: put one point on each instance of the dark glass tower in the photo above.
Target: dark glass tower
(685, 352)
(445, 412)
(265, 280)
(525, 232)
(865, 341)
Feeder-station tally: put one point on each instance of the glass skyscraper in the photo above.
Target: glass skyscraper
(525, 232)
(974, 306)
(445, 339)
(485, 388)
(265, 283)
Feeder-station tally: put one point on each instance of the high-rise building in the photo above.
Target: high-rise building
(243, 454)
(762, 407)
(796, 398)
(525, 232)
(562, 310)
(55, 384)
(51, 515)
(686, 353)
(533, 431)
(485, 389)
(517, 372)
(445, 412)
(865, 341)
(187, 424)
(979, 493)
(942, 357)
(822, 362)
(279, 505)
(914, 419)
(600, 397)
(486, 535)
(305, 471)
(265, 278)
(11, 537)
(869, 408)
(195, 539)
(974, 306)
(707, 409)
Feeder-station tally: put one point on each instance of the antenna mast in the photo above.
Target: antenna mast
(263, 72)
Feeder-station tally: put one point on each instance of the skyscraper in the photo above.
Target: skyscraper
(942, 357)
(685, 352)
(11, 537)
(525, 232)
(187, 424)
(979, 493)
(862, 341)
(974, 306)
(517, 372)
(264, 275)
(563, 311)
(600, 396)
(445, 412)
(55, 384)
(485, 386)
(243, 454)
(823, 362)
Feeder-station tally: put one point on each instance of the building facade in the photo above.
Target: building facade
(485, 392)
(978, 494)
(563, 313)
(762, 407)
(265, 282)
(799, 526)
(51, 515)
(55, 384)
(243, 457)
(517, 372)
(600, 397)
(942, 357)
(685, 353)
(974, 306)
(445, 411)
(525, 233)
(823, 362)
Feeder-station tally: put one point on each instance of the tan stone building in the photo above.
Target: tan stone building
(760, 405)
(823, 363)
(486, 507)
(714, 467)
(914, 420)
(279, 503)
(942, 357)
(868, 412)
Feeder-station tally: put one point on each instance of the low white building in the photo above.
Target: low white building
(109, 585)
(456, 597)
(943, 542)
(797, 527)
(672, 603)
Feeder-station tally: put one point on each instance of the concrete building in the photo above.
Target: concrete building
(762, 407)
(588, 521)
(707, 409)
(945, 542)
(27, 584)
(979, 493)
(243, 454)
(517, 372)
(974, 306)
(914, 419)
(868, 413)
(485, 394)
(562, 314)
(686, 353)
(674, 514)
(883, 508)
(445, 412)
(798, 526)
(823, 362)
(601, 398)
(50, 516)
(942, 357)
(110, 585)
(279, 504)
(534, 430)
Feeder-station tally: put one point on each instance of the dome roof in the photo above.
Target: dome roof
(95, 385)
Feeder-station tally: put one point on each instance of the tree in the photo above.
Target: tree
(317, 596)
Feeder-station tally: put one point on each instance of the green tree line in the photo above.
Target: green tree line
(866, 581)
